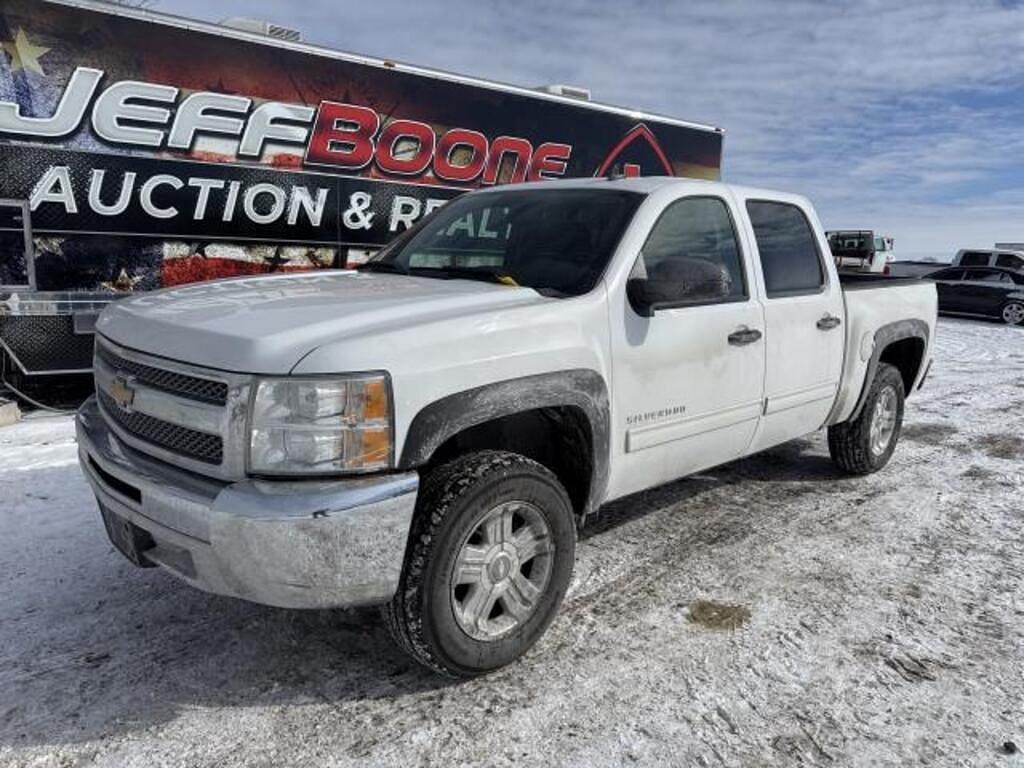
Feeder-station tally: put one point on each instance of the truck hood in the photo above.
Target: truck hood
(267, 324)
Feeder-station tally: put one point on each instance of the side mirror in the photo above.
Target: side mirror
(645, 295)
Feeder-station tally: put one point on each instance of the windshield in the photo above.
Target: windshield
(557, 241)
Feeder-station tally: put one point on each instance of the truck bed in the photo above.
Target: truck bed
(871, 304)
(856, 281)
(916, 268)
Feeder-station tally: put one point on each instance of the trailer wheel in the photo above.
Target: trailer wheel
(1013, 313)
(866, 444)
(490, 556)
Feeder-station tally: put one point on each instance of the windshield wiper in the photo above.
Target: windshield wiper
(388, 267)
(464, 273)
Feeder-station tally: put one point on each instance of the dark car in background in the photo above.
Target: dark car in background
(986, 291)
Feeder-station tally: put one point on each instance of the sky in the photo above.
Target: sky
(902, 117)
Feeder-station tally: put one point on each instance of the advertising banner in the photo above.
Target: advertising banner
(153, 153)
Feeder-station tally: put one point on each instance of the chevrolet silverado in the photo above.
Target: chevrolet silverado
(427, 433)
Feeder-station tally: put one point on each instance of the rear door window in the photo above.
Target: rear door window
(975, 259)
(789, 252)
(988, 276)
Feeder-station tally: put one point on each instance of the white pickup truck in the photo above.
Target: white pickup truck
(428, 432)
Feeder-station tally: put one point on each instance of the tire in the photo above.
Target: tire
(491, 529)
(854, 445)
(1012, 313)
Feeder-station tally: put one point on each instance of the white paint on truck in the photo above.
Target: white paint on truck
(669, 386)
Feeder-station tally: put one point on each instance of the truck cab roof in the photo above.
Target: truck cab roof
(647, 185)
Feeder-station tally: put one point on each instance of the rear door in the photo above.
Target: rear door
(15, 245)
(804, 313)
(983, 291)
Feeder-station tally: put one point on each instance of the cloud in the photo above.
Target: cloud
(897, 116)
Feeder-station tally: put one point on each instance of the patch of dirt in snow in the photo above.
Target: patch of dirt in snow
(718, 615)
(1003, 446)
(884, 623)
(929, 432)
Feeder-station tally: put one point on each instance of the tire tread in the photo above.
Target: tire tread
(440, 489)
(849, 442)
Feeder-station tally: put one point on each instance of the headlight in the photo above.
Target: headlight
(320, 426)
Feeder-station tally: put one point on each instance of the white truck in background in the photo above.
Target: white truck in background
(427, 432)
(1002, 256)
(861, 250)
(990, 257)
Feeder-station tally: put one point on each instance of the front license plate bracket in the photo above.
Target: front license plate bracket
(130, 540)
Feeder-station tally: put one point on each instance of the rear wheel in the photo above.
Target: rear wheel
(490, 556)
(1013, 313)
(865, 444)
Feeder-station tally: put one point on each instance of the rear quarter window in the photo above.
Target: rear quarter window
(790, 259)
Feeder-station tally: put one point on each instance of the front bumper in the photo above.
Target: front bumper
(293, 544)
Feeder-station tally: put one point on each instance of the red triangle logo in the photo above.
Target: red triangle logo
(642, 133)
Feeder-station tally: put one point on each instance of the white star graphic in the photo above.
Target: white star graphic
(24, 54)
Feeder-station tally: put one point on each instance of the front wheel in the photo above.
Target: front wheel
(866, 444)
(490, 557)
(1013, 313)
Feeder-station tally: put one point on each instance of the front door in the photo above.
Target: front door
(688, 379)
(804, 316)
(948, 283)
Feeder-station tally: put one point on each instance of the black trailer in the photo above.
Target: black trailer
(139, 150)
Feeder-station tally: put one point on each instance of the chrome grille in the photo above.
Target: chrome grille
(188, 415)
(200, 446)
(191, 387)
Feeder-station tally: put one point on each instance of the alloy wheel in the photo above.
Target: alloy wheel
(501, 570)
(883, 421)
(1013, 313)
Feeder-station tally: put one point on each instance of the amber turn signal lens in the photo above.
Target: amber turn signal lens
(375, 400)
(376, 445)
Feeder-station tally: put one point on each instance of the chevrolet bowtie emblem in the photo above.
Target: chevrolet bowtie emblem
(122, 392)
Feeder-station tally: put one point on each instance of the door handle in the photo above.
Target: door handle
(828, 322)
(744, 336)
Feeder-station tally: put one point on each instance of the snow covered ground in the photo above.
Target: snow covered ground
(885, 624)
